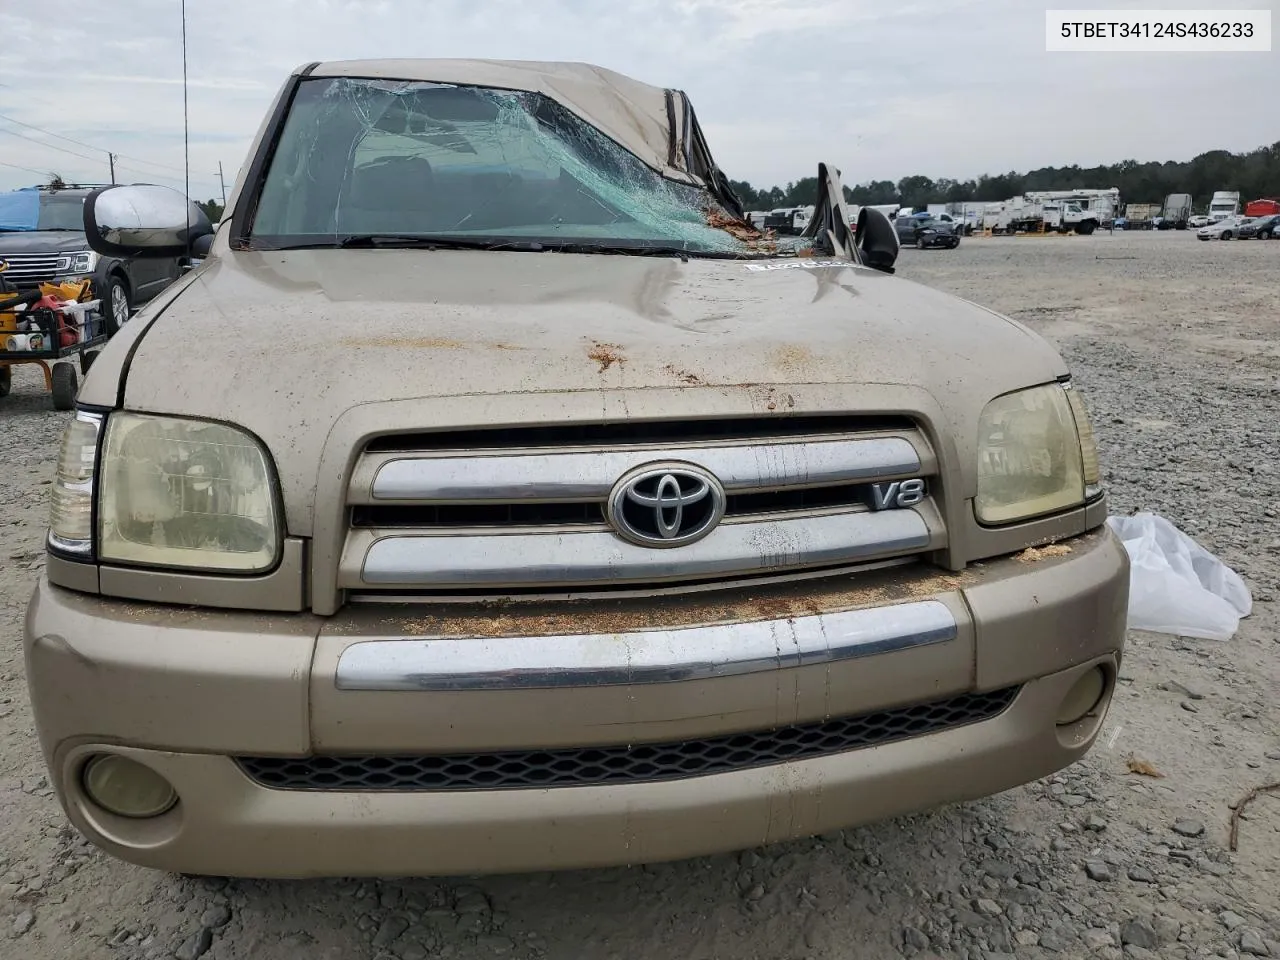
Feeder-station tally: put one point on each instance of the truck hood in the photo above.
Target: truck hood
(287, 343)
(41, 241)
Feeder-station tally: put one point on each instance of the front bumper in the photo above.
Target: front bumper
(185, 692)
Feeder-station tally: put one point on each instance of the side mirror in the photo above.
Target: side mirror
(877, 240)
(142, 220)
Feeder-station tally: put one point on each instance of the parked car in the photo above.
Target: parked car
(1199, 220)
(42, 240)
(1261, 228)
(927, 231)
(1227, 229)
(466, 510)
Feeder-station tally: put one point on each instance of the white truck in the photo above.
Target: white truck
(1102, 202)
(1024, 214)
(1225, 203)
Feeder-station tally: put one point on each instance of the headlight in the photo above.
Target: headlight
(1036, 455)
(82, 261)
(71, 510)
(186, 493)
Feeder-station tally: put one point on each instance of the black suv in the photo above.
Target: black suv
(926, 232)
(1263, 228)
(54, 248)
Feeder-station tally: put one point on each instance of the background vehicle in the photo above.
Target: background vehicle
(1021, 214)
(1140, 216)
(788, 221)
(924, 231)
(1199, 220)
(1262, 208)
(1227, 229)
(1224, 205)
(1261, 228)
(42, 240)
(1177, 212)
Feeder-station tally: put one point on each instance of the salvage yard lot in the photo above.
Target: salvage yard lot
(1175, 345)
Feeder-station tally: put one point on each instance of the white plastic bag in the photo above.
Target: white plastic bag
(1177, 586)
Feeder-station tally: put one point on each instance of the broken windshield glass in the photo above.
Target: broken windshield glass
(362, 158)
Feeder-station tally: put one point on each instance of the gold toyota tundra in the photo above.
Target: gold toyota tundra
(493, 496)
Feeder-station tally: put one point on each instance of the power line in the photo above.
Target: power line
(43, 173)
(80, 143)
(118, 157)
(30, 126)
(206, 186)
(51, 146)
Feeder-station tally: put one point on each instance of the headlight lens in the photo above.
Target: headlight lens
(186, 493)
(1035, 455)
(71, 509)
(82, 261)
(1088, 446)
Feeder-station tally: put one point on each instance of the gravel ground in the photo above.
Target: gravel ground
(1174, 342)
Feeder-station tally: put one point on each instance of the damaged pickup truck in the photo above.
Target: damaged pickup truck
(493, 497)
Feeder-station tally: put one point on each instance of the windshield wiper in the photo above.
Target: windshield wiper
(406, 241)
(650, 250)
(373, 240)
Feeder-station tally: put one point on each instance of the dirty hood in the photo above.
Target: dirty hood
(286, 343)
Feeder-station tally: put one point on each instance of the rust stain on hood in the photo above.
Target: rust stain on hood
(248, 340)
(424, 343)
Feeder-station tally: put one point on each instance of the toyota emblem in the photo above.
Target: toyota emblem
(666, 504)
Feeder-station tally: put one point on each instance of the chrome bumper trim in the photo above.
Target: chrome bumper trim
(651, 656)
(566, 557)
(591, 475)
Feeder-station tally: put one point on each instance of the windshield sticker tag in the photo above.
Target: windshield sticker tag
(798, 264)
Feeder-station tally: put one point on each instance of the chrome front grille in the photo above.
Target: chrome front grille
(29, 269)
(521, 509)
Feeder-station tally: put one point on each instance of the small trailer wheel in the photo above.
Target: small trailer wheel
(64, 386)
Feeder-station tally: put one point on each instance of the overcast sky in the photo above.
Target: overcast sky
(880, 88)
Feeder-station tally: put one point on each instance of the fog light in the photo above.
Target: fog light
(1082, 697)
(127, 788)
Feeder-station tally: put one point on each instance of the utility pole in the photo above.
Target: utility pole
(224, 185)
(111, 159)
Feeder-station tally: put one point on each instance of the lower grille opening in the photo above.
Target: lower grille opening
(640, 763)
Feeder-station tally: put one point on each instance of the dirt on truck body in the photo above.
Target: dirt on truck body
(493, 498)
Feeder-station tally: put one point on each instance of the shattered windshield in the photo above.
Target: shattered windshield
(396, 159)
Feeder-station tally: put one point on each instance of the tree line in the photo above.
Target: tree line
(1255, 174)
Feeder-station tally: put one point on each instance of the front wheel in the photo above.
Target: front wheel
(1226, 235)
(1085, 228)
(64, 386)
(115, 306)
(919, 243)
